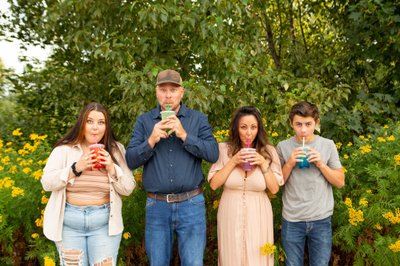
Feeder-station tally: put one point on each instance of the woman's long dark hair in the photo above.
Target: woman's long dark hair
(76, 133)
(260, 142)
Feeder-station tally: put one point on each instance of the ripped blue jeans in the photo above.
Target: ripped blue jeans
(85, 239)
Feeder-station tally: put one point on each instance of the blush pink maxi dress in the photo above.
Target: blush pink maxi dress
(245, 221)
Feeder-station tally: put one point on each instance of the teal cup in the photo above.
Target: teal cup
(304, 163)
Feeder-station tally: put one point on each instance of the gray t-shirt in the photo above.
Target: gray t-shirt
(307, 195)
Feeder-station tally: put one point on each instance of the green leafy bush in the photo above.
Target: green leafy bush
(22, 200)
(366, 219)
(367, 210)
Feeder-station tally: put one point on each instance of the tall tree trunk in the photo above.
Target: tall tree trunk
(270, 41)
(291, 22)
(302, 30)
(280, 37)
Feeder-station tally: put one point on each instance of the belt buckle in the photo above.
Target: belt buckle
(168, 200)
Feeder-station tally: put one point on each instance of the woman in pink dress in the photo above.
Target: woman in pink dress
(245, 221)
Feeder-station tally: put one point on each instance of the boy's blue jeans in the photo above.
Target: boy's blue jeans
(317, 235)
(187, 220)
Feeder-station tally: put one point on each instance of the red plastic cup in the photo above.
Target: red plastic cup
(96, 148)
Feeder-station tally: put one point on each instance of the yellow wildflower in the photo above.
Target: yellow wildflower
(369, 191)
(44, 199)
(23, 152)
(1, 144)
(29, 147)
(267, 249)
(380, 139)
(17, 132)
(25, 162)
(344, 169)
(8, 150)
(126, 235)
(397, 159)
(346, 156)
(17, 191)
(27, 170)
(274, 134)
(348, 202)
(5, 160)
(349, 144)
(393, 218)
(363, 202)
(338, 145)
(13, 170)
(385, 126)
(33, 136)
(43, 137)
(1, 168)
(366, 149)
(221, 135)
(9, 143)
(355, 216)
(39, 221)
(49, 261)
(42, 162)
(378, 227)
(6, 182)
(215, 204)
(35, 235)
(395, 247)
(361, 137)
(37, 174)
(391, 138)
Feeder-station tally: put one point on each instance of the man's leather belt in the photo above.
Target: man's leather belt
(171, 198)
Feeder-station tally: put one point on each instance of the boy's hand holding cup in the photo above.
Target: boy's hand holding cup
(302, 161)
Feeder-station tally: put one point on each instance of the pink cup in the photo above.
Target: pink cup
(96, 147)
(247, 166)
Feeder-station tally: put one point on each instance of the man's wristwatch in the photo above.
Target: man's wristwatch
(76, 173)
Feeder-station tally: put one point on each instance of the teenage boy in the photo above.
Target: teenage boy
(307, 195)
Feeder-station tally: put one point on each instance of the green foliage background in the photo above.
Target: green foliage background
(341, 55)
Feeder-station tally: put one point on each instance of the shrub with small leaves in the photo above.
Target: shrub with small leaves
(22, 198)
(367, 217)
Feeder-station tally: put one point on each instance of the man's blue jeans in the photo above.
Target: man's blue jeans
(317, 235)
(187, 219)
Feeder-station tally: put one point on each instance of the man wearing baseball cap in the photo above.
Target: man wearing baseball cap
(171, 151)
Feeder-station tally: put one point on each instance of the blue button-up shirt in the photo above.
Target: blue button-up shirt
(172, 166)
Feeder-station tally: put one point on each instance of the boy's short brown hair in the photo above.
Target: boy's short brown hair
(304, 109)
